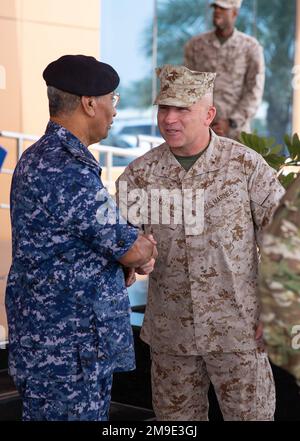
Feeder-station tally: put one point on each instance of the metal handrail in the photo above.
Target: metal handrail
(18, 135)
(144, 143)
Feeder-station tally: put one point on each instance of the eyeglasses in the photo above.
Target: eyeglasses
(115, 99)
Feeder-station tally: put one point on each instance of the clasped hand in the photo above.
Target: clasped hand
(146, 269)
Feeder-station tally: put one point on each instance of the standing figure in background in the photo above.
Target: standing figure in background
(238, 61)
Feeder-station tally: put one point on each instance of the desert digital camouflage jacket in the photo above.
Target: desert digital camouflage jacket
(66, 301)
(203, 291)
(280, 283)
(239, 64)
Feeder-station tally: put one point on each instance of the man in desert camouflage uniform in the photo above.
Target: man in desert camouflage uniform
(202, 312)
(66, 301)
(239, 63)
(280, 283)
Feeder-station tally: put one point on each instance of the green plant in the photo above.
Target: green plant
(273, 154)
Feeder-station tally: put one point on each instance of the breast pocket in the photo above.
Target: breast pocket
(226, 224)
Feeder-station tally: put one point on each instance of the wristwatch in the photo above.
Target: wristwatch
(232, 123)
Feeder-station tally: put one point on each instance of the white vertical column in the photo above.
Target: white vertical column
(296, 72)
(154, 64)
(2, 78)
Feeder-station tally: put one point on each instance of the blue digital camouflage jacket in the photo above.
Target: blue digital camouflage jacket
(66, 301)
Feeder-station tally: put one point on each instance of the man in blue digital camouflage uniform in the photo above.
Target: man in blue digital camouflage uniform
(66, 301)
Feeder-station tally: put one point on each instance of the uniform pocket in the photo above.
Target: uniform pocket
(265, 390)
(113, 326)
(222, 219)
(47, 363)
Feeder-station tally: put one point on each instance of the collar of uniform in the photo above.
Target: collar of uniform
(231, 41)
(210, 159)
(72, 144)
(170, 168)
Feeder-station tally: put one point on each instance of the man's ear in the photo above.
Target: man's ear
(211, 113)
(88, 104)
(235, 13)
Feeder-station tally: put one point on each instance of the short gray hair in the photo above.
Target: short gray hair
(61, 102)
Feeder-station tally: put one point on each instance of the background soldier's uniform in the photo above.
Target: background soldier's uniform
(280, 283)
(240, 68)
(202, 305)
(67, 305)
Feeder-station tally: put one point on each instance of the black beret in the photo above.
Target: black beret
(81, 75)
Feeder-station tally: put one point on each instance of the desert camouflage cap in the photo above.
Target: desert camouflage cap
(227, 4)
(182, 87)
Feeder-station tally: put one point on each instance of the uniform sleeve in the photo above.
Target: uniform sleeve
(265, 194)
(253, 88)
(82, 206)
(188, 54)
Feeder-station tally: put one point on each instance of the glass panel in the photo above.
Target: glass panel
(272, 22)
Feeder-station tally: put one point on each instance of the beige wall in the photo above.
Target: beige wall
(32, 34)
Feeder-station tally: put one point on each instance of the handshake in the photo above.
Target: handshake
(140, 258)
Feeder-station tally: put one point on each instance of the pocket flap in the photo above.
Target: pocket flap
(108, 308)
